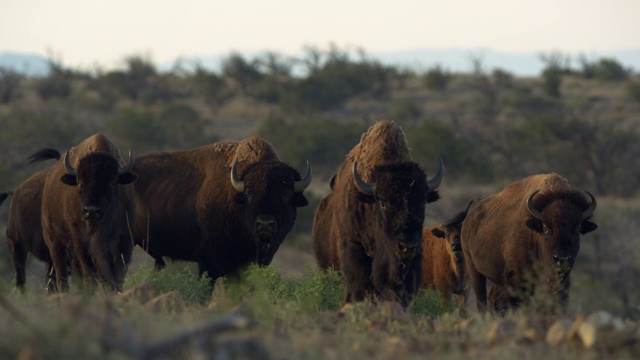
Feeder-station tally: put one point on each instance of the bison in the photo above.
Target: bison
(24, 226)
(87, 210)
(223, 205)
(526, 236)
(442, 259)
(370, 227)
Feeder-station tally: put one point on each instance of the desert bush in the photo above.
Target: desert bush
(323, 142)
(632, 89)
(610, 70)
(404, 110)
(463, 160)
(436, 78)
(9, 84)
(184, 281)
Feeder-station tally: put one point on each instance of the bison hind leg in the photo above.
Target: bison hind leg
(19, 255)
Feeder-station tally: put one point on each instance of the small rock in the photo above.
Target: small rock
(558, 331)
(501, 331)
(602, 330)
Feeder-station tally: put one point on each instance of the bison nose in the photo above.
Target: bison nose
(91, 212)
(562, 259)
(266, 224)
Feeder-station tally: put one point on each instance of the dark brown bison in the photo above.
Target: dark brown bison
(527, 236)
(24, 226)
(223, 205)
(443, 265)
(87, 208)
(370, 227)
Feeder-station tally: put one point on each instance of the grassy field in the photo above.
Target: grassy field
(282, 313)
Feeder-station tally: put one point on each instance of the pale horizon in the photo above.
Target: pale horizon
(88, 33)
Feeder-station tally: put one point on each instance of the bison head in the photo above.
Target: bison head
(96, 178)
(452, 229)
(398, 197)
(560, 217)
(269, 194)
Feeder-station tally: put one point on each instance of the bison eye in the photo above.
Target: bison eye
(248, 195)
(546, 230)
(381, 204)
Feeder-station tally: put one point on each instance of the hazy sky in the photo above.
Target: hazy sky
(83, 33)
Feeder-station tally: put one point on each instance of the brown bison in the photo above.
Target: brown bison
(87, 208)
(24, 226)
(223, 205)
(443, 265)
(370, 227)
(526, 236)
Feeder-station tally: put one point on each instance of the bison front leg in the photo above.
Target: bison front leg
(59, 259)
(356, 269)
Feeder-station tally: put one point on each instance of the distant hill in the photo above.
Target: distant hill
(25, 63)
(455, 60)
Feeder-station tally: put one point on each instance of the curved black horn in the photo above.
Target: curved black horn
(299, 186)
(535, 212)
(437, 179)
(363, 187)
(70, 169)
(128, 165)
(237, 183)
(589, 211)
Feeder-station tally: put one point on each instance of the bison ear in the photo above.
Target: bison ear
(127, 178)
(432, 196)
(69, 179)
(438, 233)
(364, 197)
(299, 200)
(535, 225)
(587, 227)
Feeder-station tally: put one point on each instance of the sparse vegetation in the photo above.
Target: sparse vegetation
(489, 126)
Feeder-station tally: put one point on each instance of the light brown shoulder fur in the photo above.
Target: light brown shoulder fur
(247, 151)
(383, 143)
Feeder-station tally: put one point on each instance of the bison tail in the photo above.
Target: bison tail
(44, 154)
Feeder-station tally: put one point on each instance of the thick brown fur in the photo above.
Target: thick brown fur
(188, 209)
(374, 241)
(504, 243)
(98, 247)
(443, 261)
(24, 228)
(441, 269)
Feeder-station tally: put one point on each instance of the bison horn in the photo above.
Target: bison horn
(299, 186)
(67, 164)
(363, 187)
(535, 212)
(437, 179)
(128, 166)
(589, 211)
(237, 183)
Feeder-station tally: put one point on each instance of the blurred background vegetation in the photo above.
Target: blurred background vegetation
(489, 126)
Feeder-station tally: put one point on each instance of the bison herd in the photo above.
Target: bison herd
(232, 203)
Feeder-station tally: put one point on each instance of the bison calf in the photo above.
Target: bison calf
(443, 265)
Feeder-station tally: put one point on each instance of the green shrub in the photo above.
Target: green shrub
(436, 78)
(184, 281)
(633, 90)
(427, 302)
